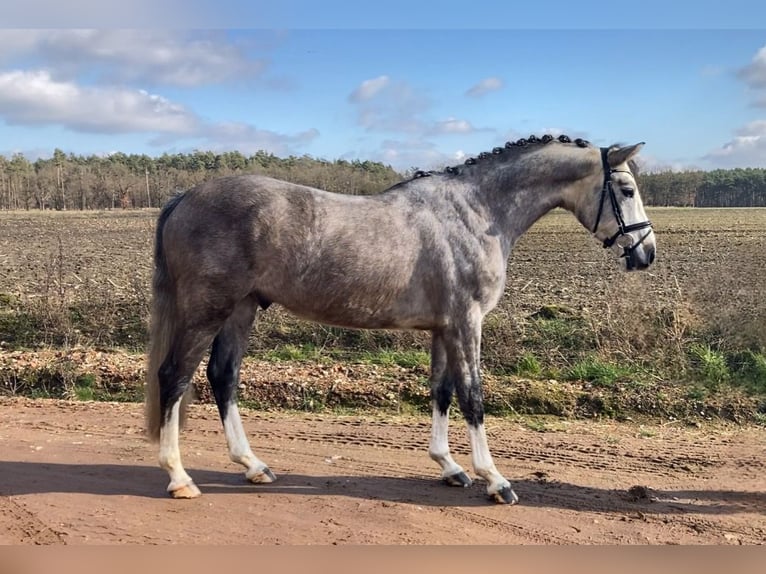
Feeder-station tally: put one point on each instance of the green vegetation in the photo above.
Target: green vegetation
(406, 358)
(749, 371)
(709, 366)
(598, 372)
(528, 365)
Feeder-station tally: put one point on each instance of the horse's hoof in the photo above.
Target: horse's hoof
(262, 476)
(186, 491)
(505, 496)
(459, 479)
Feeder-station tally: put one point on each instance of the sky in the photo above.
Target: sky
(410, 84)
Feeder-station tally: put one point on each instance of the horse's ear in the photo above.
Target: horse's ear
(619, 155)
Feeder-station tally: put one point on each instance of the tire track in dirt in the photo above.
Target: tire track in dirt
(519, 531)
(19, 526)
(692, 460)
(415, 438)
(554, 453)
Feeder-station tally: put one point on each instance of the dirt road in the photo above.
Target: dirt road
(82, 473)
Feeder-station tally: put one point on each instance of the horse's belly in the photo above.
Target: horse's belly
(360, 316)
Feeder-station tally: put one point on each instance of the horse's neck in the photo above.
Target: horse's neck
(514, 209)
(520, 195)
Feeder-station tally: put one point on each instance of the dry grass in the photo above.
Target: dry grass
(82, 279)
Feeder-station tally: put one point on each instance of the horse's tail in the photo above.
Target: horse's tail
(162, 328)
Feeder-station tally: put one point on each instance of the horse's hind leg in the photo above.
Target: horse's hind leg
(442, 388)
(175, 376)
(223, 373)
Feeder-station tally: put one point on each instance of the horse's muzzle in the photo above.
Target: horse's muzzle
(635, 260)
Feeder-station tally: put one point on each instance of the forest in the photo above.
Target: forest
(76, 182)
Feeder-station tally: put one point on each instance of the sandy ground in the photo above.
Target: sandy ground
(82, 473)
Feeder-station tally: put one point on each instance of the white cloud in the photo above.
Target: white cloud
(484, 87)
(452, 126)
(368, 89)
(754, 74)
(14, 42)
(756, 128)
(148, 56)
(652, 164)
(414, 153)
(32, 154)
(748, 146)
(385, 105)
(747, 149)
(34, 97)
(249, 139)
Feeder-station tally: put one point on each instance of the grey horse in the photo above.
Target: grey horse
(428, 253)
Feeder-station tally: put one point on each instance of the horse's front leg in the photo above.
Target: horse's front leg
(463, 347)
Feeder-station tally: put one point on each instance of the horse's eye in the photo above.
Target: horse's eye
(628, 191)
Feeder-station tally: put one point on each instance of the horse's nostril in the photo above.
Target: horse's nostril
(651, 256)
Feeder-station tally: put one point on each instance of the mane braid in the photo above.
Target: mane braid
(521, 143)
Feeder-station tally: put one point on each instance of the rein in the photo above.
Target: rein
(623, 230)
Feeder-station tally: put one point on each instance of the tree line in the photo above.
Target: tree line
(119, 180)
(739, 187)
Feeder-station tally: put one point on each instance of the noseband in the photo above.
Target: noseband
(623, 230)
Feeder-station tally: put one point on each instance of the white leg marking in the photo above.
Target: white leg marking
(181, 485)
(439, 449)
(239, 447)
(484, 465)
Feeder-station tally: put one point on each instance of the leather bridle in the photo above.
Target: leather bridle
(623, 230)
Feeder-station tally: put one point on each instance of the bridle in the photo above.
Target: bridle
(623, 230)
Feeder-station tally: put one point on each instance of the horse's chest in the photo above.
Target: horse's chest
(491, 284)
(486, 275)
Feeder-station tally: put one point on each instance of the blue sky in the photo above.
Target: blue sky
(415, 85)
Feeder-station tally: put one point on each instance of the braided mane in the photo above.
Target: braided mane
(520, 143)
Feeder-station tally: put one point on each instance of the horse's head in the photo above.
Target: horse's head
(618, 217)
